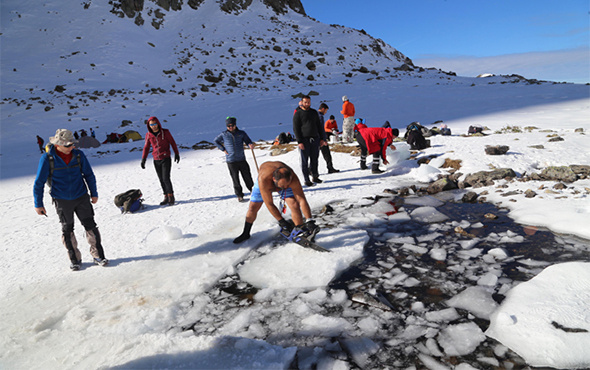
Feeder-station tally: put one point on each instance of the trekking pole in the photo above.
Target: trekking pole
(253, 155)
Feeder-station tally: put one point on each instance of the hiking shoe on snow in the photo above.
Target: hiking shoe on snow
(309, 183)
(317, 180)
(101, 262)
(75, 266)
(240, 199)
(377, 170)
(333, 170)
(165, 201)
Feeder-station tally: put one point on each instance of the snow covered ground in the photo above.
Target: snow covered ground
(167, 262)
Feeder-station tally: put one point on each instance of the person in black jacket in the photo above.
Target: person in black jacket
(325, 149)
(310, 135)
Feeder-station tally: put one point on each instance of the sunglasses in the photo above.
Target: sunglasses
(68, 146)
(153, 124)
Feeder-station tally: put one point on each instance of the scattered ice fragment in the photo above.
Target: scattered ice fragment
(324, 325)
(498, 253)
(369, 326)
(431, 363)
(488, 280)
(438, 254)
(448, 314)
(461, 339)
(360, 349)
(428, 215)
(426, 200)
(476, 300)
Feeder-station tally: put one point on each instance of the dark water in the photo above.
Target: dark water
(391, 306)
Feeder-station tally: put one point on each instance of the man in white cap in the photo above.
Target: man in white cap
(69, 176)
(348, 123)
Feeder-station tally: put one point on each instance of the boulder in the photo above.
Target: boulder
(441, 185)
(563, 174)
(485, 178)
(497, 149)
(469, 197)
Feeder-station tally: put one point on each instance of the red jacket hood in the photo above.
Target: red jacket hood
(157, 121)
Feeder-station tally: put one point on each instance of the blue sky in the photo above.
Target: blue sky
(542, 39)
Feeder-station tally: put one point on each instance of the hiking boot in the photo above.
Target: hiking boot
(309, 183)
(333, 170)
(75, 266)
(364, 166)
(317, 180)
(165, 201)
(171, 199)
(377, 170)
(101, 262)
(240, 199)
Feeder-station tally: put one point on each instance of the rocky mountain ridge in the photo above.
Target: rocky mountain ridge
(203, 45)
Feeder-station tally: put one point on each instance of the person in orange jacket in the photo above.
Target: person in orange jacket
(348, 123)
(331, 127)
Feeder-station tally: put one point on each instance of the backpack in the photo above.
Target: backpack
(475, 130)
(283, 138)
(52, 164)
(129, 201)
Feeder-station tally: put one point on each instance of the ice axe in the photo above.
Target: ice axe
(254, 156)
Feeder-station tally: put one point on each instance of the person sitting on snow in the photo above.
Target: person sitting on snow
(375, 140)
(280, 178)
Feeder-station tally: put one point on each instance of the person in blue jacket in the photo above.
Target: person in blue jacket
(231, 142)
(69, 176)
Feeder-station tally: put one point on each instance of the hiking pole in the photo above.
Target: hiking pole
(255, 162)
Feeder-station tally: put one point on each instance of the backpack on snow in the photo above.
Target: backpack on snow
(129, 201)
(475, 130)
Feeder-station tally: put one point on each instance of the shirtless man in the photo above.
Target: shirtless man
(277, 176)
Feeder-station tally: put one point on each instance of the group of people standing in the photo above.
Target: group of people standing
(73, 185)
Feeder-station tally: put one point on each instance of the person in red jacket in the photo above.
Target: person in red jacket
(160, 139)
(375, 140)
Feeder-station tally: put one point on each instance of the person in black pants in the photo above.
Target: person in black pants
(325, 149)
(231, 142)
(310, 135)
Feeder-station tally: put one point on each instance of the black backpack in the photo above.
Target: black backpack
(129, 201)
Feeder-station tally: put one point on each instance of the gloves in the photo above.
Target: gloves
(143, 164)
(176, 158)
(310, 229)
(286, 226)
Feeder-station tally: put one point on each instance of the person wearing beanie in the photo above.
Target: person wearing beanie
(375, 140)
(231, 142)
(70, 178)
(348, 113)
(358, 124)
(160, 139)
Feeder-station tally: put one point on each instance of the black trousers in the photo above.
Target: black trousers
(309, 157)
(327, 156)
(237, 168)
(163, 168)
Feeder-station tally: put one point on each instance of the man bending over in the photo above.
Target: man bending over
(280, 178)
